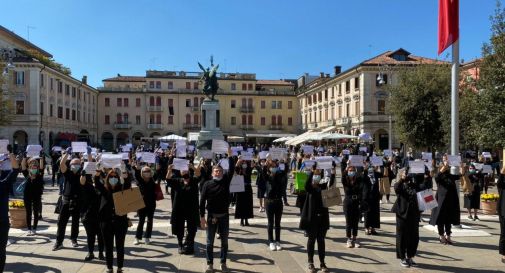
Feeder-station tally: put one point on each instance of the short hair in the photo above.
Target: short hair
(217, 167)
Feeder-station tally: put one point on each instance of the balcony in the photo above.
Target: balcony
(329, 123)
(154, 126)
(122, 125)
(275, 127)
(195, 109)
(154, 109)
(312, 125)
(246, 127)
(187, 126)
(246, 109)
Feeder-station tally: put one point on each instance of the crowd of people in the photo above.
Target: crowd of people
(200, 196)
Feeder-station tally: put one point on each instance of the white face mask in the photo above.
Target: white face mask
(217, 178)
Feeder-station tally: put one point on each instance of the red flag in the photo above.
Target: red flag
(448, 23)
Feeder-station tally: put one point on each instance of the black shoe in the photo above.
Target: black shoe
(181, 250)
(189, 249)
(246, 223)
(312, 269)
(101, 257)
(476, 218)
(57, 247)
(404, 263)
(373, 232)
(89, 257)
(119, 270)
(242, 222)
(411, 262)
(324, 268)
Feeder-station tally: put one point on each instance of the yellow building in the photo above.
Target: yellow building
(168, 102)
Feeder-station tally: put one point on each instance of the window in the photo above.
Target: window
(41, 80)
(67, 90)
(119, 102)
(347, 110)
(171, 107)
(339, 111)
(60, 87)
(84, 115)
(233, 104)
(325, 114)
(125, 102)
(244, 120)
(326, 94)
(158, 119)
(274, 104)
(244, 86)
(274, 120)
(73, 92)
(20, 107)
(279, 104)
(151, 84)
(356, 83)
(60, 112)
(170, 85)
(309, 99)
(125, 118)
(233, 86)
(20, 78)
(151, 101)
(195, 102)
(320, 96)
(51, 84)
(263, 121)
(170, 120)
(107, 119)
(158, 85)
(347, 86)
(67, 113)
(263, 104)
(279, 120)
(250, 120)
(78, 115)
(250, 86)
(195, 85)
(196, 119)
(188, 103)
(41, 108)
(290, 121)
(158, 101)
(381, 107)
(137, 120)
(333, 92)
(249, 103)
(244, 103)
(119, 118)
(137, 102)
(290, 105)
(233, 120)
(73, 114)
(188, 85)
(356, 108)
(51, 110)
(188, 119)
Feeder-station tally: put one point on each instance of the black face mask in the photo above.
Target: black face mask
(185, 176)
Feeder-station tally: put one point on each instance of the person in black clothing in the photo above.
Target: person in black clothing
(7, 179)
(447, 212)
(273, 202)
(372, 214)
(244, 208)
(70, 199)
(284, 167)
(408, 215)
(354, 202)
(184, 207)
(146, 182)
(215, 198)
(112, 226)
(55, 167)
(261, 184)
(34, 187)
(90, 203)
(472, 198)
(501, 212)
(315, 218)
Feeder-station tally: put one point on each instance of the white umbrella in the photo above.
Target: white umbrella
(338, 136)
(365, 136)
(172, 137)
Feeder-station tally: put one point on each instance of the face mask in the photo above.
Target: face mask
(75, 168)
(316, 178)
(351, 174)
(185, 176)
(217, 178)
(370, 170)
(34, 171)
(244, 166)
(113, 181)
(147, 175)
(472, 171)
(273, 170)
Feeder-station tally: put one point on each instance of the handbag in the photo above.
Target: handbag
(331, 196)
(300, 181)
(426, 200)
(466, 185)
(59, 204)
(158, 192)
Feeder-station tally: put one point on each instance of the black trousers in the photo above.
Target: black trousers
(274, 208)
(4, 236)
(92, 233)
(143, 213)
(318, 236)
(444, 229)
(63, 221)
(502, 235)
(114, 229)
(352, 215)
(407, 237)
(32, 206)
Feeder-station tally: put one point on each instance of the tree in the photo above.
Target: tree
(5, 99)
(420, 106)
(488, 126)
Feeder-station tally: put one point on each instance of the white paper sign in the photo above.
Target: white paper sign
(246, 156)
(263, 154)
(180, 164)
(191, 148)
(282, 167)
(309, 163)
(427, 156)
(111, 161)
(337, 159)
(487, 169)
(478, 166)
(57, 149)
(125, 148)
(416, 167)
(181, 151)
(376, 161)
(346, 152)
(454, 160)
(428, 165)
(237, 184)
(33, 150)
(90, 167)
(251, 150)
(164, 145)
(125, 156)
(3, 146)
(363, 149)
(219, 146)
(129, 145)
(79, 147)
(308, 149)
(206, 154)
(486, 154)
(324, 162)
(388, 153)
(356, 160)
(276, 153)
(224, 163)
(148, 157)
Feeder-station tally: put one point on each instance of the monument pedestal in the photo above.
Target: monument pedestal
(210, 124)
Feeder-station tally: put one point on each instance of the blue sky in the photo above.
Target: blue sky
(272, 38)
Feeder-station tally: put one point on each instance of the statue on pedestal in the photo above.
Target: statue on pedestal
(209, 78)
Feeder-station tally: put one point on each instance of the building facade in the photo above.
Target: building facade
(355, 101)
(168, 102)
(50, 107)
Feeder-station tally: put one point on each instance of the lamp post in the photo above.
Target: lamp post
(383, 80)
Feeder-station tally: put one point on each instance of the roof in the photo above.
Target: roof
(387, 58)
(126, 79)
(24, 42)
(274, 82)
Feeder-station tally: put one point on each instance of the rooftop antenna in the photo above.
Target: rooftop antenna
(28, 31)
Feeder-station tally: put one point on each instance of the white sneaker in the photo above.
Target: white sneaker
(29, 233)
(273, 247)
(349, 243)
(34, 232)
(278, 246)
(136, 242)
(147, 241)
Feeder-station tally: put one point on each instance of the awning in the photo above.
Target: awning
(270, 135)
(296, 138)
(338, 136)
(235, 139)
(328, 129)
(282, 139)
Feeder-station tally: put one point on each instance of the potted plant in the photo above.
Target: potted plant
(488, 203)
(17, 213)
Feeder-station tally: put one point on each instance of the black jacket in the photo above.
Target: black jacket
(33, 187)
(406, 206)
(147, 189)
(106, 211)
(314, 215)
(448, 200)
(184, 203)
(501, 192)
(215, 195)
(90, 201)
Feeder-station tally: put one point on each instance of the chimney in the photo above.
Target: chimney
(327, 75)
(337, 69)
(321, 74)
(84, 79)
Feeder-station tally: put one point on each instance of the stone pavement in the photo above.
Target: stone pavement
(475, 249)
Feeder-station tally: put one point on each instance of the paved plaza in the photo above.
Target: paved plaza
(475, 249)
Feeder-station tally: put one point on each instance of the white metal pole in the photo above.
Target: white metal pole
(454, 103)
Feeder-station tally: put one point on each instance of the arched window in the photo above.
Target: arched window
(195, 102)
(195, 119)
(244, 102)
(279, 120)
(244, 119)
(158, 119)
(151, 101)
(119, 118)
(151, 119)
(250, 119)
(158, 101)
(125, 117)
(249, 103)
(188, 119)
(274, 120)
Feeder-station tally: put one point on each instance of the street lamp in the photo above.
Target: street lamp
(381, 80)
(7, 55)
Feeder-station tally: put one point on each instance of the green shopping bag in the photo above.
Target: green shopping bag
(300, 180)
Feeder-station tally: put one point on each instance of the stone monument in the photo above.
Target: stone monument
(210, 108)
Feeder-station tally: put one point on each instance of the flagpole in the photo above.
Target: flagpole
(455, 103)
